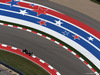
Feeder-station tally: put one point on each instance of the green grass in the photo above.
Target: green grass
(88, 61)
(20, 63)
(96, 1)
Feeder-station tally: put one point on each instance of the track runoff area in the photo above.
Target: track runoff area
(54, 22)
(33, 58)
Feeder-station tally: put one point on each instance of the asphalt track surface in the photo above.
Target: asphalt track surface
(56, 56)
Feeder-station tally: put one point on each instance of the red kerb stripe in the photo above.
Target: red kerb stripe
(69, 50)
(61, 44)
(52, 40)
(43, 35)
(85, 62)
(93, 70)
(5, 24)
(77, 56)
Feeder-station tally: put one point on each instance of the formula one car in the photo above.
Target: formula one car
(27, 52)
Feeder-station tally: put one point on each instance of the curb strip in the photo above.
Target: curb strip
(33, 58)
(54, 42)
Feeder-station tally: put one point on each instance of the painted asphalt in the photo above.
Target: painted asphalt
(62, 60)
(70, 12)
(56, 56)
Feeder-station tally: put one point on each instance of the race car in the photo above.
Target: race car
(27, 52)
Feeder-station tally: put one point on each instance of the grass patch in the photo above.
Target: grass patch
(87, 60)
(95, 1)
(19, 63)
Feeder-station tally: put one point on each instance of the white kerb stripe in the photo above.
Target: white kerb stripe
(65, 47)
(19, 27)
(73, 53)
(4, 45)
(42, 61)
(58, 73)
(28, 30)
(33, 56)
(89, 66)
(56, 42)
(81, 59)
(50, 67)
(96, 73)
(18, 0)
(1, 23)
(10, 25)
(39, 34)
(14, 48)
(48, 38)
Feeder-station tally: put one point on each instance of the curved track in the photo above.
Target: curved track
(56, 56)
(70, 12)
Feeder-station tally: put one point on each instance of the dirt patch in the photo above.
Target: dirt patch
(84, 6)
